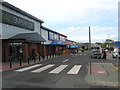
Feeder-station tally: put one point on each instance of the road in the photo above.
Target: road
(60, 72)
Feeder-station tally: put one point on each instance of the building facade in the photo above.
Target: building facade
(55, 42)
(20, 33)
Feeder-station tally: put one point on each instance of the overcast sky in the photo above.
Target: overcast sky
(73, 17)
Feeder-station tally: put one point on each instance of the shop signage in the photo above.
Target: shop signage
(52, 36)
(14, 20)
(62, 38)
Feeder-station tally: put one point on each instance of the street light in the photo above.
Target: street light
(90, 50)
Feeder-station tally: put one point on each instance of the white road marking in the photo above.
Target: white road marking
(80, 54)
(0, 70)
(84, 54)
(65, 60)
(58, 69)
(75, 69)
(100, 71)
(43, 68)
(27, 68)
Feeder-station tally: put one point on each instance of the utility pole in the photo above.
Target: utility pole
(90, 50)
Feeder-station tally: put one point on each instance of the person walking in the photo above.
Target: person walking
(104, 54)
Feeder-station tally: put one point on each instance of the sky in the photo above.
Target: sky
(73, 17)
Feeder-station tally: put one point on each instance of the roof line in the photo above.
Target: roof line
(6, 4)
(52, 31)
(49, 29)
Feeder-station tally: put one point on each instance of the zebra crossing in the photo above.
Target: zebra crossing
(58, 69)
(38, 68)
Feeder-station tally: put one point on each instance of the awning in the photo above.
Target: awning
(75, 46)
(28, 37)
(57, 42)
(117, 44)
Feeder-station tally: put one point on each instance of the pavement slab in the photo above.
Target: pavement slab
(102, 74)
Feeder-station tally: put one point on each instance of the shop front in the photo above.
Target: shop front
(20, 34)
(22, 46)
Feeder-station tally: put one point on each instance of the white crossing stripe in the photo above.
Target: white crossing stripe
(65, 60)
(75, 69)
(80, 54)
(27, 68)
(84, 54)
(43, 68)
(0, 70)
(58, 69)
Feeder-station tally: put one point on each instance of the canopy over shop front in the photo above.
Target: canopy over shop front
(117, 44)
(75, 46)
(57, 42)
(28, 37)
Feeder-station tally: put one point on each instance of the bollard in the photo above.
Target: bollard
(28, 60)
(39, 57)
(47, 56)
(34, 59)
(20, 61)
(50, 55)
(10, 59)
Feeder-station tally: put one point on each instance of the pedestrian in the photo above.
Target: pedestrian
(104, 54)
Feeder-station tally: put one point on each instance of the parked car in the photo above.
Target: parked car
(96, 51)
(116, 53)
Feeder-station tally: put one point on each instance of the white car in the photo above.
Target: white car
(116, 53)
(96, 51)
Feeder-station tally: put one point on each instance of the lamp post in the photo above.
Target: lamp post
(90, 50)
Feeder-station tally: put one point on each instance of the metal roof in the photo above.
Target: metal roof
(28, 37)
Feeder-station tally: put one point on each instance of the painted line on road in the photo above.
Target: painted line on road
(84, 54)
(58, 69)
(65, 60)
(80, 54)
(27, 68)
(43, 68)
(75, 69)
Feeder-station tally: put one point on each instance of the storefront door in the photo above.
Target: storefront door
(15, 50)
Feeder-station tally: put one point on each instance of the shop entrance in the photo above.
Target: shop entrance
(15, 50)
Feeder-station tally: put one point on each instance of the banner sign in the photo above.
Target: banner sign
(14, 20)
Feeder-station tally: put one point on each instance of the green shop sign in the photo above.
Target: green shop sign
(14, 20)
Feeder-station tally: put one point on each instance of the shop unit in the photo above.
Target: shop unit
(55, 42)
(20, 34)
(72, 47)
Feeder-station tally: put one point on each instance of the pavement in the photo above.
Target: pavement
(103, 74)
(70, 71)
(16, 64)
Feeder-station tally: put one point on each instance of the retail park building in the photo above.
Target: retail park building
(22, 32)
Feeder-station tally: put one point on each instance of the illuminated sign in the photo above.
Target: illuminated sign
(14, 20)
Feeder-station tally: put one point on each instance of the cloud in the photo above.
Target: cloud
(86, 29)
(97, 33)
(71, 17)
(64, 11)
